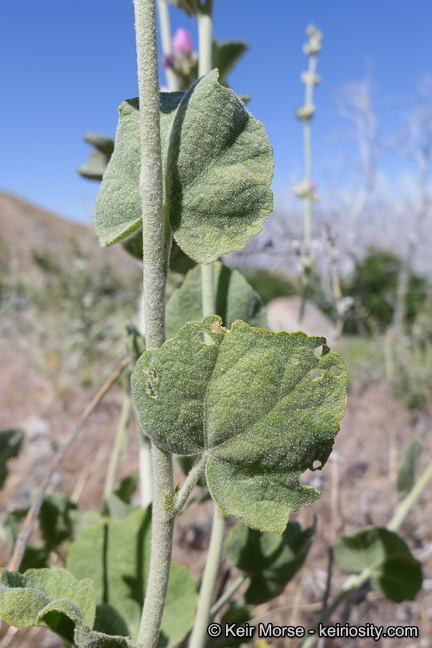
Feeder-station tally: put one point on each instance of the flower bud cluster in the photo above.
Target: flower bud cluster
(315, 41)
(183, 61)
(307, 190)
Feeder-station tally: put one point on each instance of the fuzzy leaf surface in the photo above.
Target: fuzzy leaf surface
(234, 297)
(115, 554)
(271, 561)
(118, 211)
(394, 571)
(260, 406)
(408, 468)
(219, 168)
(24, 597)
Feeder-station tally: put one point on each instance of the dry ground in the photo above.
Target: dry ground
(357, 489)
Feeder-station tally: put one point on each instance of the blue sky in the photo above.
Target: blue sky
(67, 66)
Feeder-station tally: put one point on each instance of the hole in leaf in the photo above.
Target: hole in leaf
(154, 374)
(149, 388)
(316, 465)
(294, 360)
(205, 338)
(318, 351)
(336, 371)
(316, 374)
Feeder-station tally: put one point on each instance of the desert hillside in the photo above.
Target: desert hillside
(25, 228)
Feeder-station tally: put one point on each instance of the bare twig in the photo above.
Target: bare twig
(33, 513)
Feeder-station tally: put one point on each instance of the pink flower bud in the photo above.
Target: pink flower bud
(313, 185)
(182, 41)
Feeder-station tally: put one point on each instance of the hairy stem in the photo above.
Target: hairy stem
(119, 442)
(199, 633)
(155, 267)
(189, 483)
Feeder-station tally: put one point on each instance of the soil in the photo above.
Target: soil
(357, 484)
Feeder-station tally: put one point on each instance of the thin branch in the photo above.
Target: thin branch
(24, 535)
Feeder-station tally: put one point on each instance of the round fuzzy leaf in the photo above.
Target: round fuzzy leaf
(24, 596)
(260, 406)
(270, 561)
(219, 168)
(394, 572)
(118, 210)
(234, 298)
(116, 554)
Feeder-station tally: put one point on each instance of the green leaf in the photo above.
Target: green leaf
(238, 614)
(179, 261)
(10, 445)
(25, 597)
(115, 554)
(117, 509)
(190, 7)
(219, 168)
(226, 56)
(394, 572)
(127, 487)
(260, 406)
(234, 297)
(270, 561)
(408, 469)
(118, 211)
(55, 522)
(36, 555)
(98, 158)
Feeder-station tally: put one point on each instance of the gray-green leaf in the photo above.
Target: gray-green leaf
(234, 299)
(98, 158)
(115, 554)
(10, 444)
(25, 599)
(408, 469)
(270, 561)
(393, 570)
(218, 166)
(260, 406)
(118, 211)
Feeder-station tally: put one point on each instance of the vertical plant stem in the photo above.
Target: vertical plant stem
(207, 290)
(199, 633)
(204, 66)
(407, 503)
(119, 442)
(307, 136)
(165, 32)
(211, 570)
(205, 26)
(155, 266)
